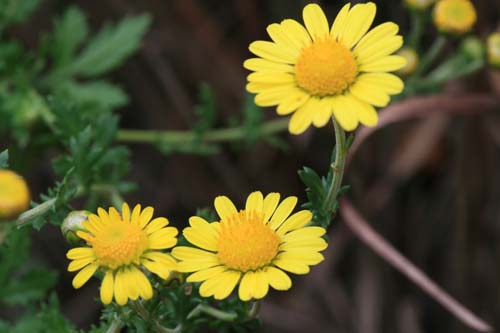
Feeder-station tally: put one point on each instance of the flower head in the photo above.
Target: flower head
(14, 194)
(454, 16)
(251, 247)
(412, 60)
(122, 246)
(318, 71)
(493, 49)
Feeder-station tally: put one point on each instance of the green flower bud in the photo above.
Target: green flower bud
(73, 223)
(493, 47)
(473, 48)
(411, 60)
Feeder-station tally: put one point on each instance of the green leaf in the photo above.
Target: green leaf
(100, 93)
(16, 11)
(110, 47)
(4, 159)
(70, 30)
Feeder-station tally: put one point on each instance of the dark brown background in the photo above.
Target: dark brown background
(432, 186)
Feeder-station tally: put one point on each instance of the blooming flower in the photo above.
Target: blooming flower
(252, 247)
(454, 16)
(14, 194)
(319, 71)
(121, 246)
(493, 49)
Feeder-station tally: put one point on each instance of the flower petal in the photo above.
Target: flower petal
(163, 238)
(228, 281)
(273, 52)
(146, 216)
(344, 114)
(107, 287)
(296, 99)
(120, 288)
(80, 253)
(78, 264)
(385, 64)
(296, 33)
(370, 40)
(282, 212)
(315, 21)
(84, 275)
(339, 24)
(247, 286)
(358, 22)
(126, 212)
(206, 274)
(295, 221)
(155, 225)
(302, 118)
(263, 65)
(224, 207)
(255, 202)
(201, 233)
(278, 279)
(261, 284)
(270, 203)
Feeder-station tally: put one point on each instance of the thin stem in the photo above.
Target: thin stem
(430, 56)
(254, 310)
(218, 135)
(417, 28)
(338, 167)
(216, 313)
(116, 325)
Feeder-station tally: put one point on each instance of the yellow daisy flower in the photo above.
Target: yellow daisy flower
(318, 71)
(14, 194)
(252, 247)
(122, 246)
(454, 16)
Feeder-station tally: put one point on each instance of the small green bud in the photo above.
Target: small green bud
(473, 48)
(73, 223)
(493, 46)
(412, 60)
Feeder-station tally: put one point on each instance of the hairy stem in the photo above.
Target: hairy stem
(216, 313)
(116, 325)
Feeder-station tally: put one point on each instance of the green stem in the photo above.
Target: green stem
(216, 313)
(218, 135)
(254, 310)
(338, 167)
(417, 29)
(430, 56)
(116, 325)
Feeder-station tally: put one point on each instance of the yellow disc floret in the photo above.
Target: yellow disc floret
(325, 68)
(14, 194)
(246, 242)
(454, 16)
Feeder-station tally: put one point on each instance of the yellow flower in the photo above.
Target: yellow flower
(493, 46)
(122, 246)
(319, 71)
(14, 194)
(419, 4)
(411, 60)
(454, 16)
(252, 247)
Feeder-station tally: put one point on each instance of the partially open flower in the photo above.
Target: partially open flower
(123, 246)
(493, 47)
(253, 247)
(14, 194)
(72, 224)
(319, 71)
(412, 60)
(454, 16)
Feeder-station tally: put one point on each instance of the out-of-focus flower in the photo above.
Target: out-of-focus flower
(493, 49)
(251, 247)
(473, 48)
(121, 246)
(72, 224)
(14, 194)
(419, 4)
(454, 16)
(412, 60)
(318, 71)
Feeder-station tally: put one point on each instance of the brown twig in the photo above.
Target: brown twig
(380, 246)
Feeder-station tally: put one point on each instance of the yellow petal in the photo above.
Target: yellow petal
(385, 64)
(224, 207)
(163, 238)
(304, 257)
(295, 221)
(84, 275)
(296, 33)
(129, 279)
(228, 281)
(162, 258)
(143, 286)
(103, 215)
(390, 83)
(247, 286)
(296, 99)
(156, 225)
(271, 77)
(146, 216)
(278, 279)
(201, 234)
(126, 212)
(273, 52)
(367, 115)
(306, 244)
(114, 215)
(278, 35)
(259, 64)
(107, 287)
(206, 274)
(292, 266)
(120, 288)
(323, 112)
(282, 212)
(368, 93)
(370, 40)
(80, 253)
(358, 22)
(157, 268)
(304, 233)
(344, 114)
(78, 264)
(338, 25)
(379, 50)
(261, 284)
(208, 287)
(315, 21)
(255, 202)
(192, 254)
(301, 119)
(270, 203)
(136, 213)
(273, 96)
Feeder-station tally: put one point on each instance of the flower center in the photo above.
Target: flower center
(245, 242)
(326, 67)
(119, 243)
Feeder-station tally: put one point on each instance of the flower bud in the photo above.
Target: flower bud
(473, 48)
(411, 60)
(73, 223)
(14, 194)
(493, 49)
(454, 16)
(419, 4)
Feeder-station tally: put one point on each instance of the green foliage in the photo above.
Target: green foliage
(16, 11)
(47, 320)
(4, 159)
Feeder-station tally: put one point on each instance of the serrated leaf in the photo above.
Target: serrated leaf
(312, 180)
(4, 159)
(110, 47)
(70, 30)
(100, 93)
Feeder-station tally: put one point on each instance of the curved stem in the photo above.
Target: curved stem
(216, 313)
(338, 167)
(218, 135)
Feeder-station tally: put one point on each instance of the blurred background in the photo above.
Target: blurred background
(430, 186)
